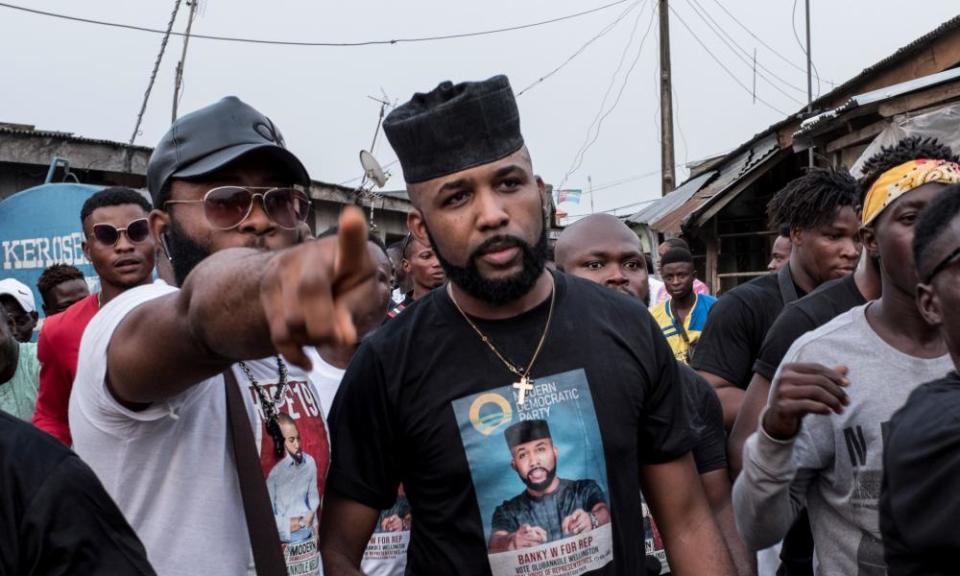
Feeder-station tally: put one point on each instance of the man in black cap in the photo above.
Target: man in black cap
(506, 339)
(531, 518)
(149, 408)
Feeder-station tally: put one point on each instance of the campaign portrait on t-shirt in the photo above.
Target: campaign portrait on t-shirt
(539, 473)
(386, 553)
(295, 467)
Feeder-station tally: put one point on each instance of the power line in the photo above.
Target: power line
(734, 48)
(703, 12)
(627, 180)
(601, 115)
(153, 76)
(603, 32)
(676, 117)
(606, 94)
(178, 80)
(314, 44)
(723, 66)
(611, 210)
(764, 44)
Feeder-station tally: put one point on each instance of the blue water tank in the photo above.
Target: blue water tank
(41, 226)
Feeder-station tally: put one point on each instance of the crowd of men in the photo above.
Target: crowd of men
(472, 400)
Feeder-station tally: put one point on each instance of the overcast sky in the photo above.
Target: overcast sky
(90, 80)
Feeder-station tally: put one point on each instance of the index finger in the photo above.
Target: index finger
(352, 265)
(838, 374)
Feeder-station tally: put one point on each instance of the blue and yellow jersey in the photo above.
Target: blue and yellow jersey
(693, 325)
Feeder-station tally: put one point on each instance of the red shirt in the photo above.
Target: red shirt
(57, 351)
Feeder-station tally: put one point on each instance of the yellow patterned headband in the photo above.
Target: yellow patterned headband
(896, 182)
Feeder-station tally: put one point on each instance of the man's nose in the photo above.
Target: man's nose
(257, 221)
(616, 278)
(491, 215)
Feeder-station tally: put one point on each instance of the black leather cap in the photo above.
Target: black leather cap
(210, 138)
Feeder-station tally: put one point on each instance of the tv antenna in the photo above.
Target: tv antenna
(374, 175)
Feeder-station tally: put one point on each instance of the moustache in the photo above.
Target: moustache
(497, 243)
(534, 469)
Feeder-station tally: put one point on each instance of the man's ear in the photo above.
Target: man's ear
(418, 226)
(35, 315)
(796, 236)
(159, 225)
(544, 198)
(869, 239)
(929, 304)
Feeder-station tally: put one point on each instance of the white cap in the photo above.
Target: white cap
(20, 292)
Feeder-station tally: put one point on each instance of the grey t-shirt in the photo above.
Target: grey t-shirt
(834, 465)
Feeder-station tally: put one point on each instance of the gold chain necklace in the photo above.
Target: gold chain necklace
(526, 383)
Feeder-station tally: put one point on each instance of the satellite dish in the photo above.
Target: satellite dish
(372, 169)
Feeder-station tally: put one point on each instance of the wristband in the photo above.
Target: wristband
(782, 442)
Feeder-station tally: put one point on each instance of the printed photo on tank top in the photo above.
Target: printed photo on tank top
(295, 478)
(386, 553)
(540, 476)
(653, 541)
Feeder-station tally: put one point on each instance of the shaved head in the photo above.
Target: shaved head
(590, 231)
(601, 248)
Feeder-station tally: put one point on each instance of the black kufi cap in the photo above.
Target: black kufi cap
(454, 127)
(526, 431)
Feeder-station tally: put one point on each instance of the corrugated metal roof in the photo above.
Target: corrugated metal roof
(671, 201)
(68, 136)
(893, 59)
(812, 124)
(731, 171)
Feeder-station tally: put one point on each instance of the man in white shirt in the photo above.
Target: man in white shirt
(149, 410)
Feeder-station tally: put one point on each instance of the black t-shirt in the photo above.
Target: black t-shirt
(710, 451)
(919, 507)
(55, 516)
(735, 330)
(808, 313)
(425, 402)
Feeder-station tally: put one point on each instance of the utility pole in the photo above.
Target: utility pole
(809, 82)
(666, 103)
(178, 79)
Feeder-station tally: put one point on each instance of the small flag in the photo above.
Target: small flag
(569, 196)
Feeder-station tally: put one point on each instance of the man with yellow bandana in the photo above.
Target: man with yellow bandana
(820, 440)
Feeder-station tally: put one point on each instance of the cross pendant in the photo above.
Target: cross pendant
(522, 387)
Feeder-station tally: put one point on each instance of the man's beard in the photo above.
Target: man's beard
(505, 290)
(297, 456)
(542, 485)
(185, 253)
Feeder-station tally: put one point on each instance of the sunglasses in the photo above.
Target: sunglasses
(136, 231)
(953, 258)
(226, 207)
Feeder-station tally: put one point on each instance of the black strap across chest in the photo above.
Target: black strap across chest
(261, 526)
